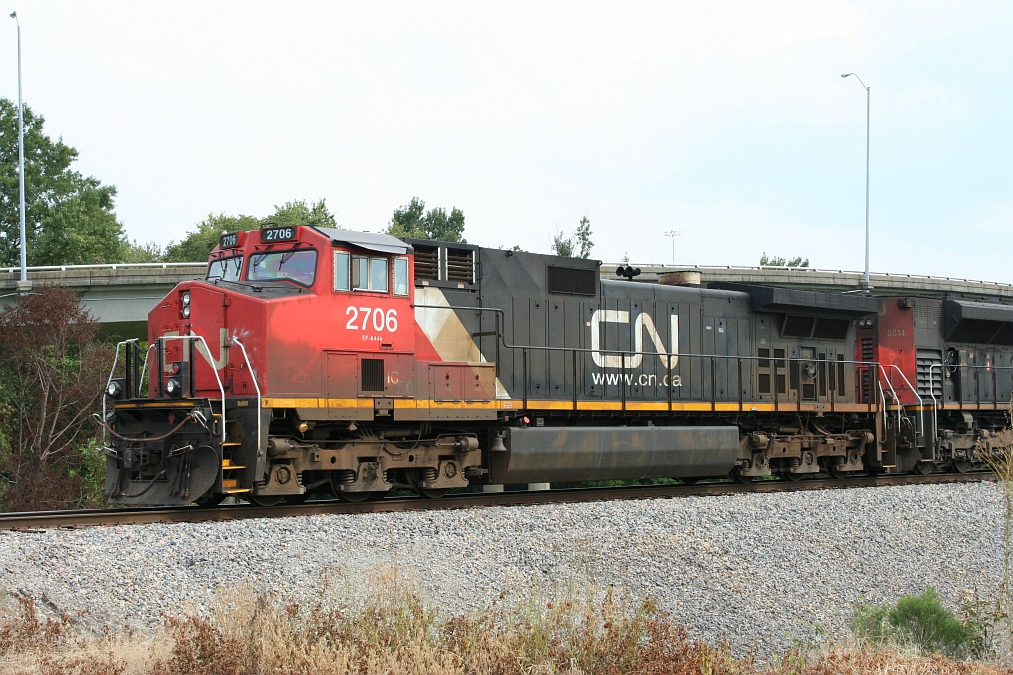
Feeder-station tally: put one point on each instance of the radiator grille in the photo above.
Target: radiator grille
(572, 281)
(372, 375)
(460, 265)
(929, 379)
(427, 262)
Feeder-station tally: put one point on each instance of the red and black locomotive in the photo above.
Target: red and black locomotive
(314, 360)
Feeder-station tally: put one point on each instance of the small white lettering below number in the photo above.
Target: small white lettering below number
(379, 322)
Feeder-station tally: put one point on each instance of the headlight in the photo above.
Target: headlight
(186, 311)
(115, 389)
(186, 297)
(173, 387)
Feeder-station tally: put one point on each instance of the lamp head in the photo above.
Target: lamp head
(845, 74)
(14, 15)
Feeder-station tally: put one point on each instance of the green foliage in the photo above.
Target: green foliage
(199, 242)
(301, 213)
(414, 222)
(89, 467)
(142, 253)
(922, 620)
(775, 261)
(577, 246)
(562, 245)
(69, 217)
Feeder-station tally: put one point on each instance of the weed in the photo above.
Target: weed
(922, 620)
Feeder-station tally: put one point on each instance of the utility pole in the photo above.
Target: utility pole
(24, 285)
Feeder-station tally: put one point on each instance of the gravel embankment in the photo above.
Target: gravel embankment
(764, 569)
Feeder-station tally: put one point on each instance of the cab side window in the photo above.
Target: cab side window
(363, 273)
(400, 276)
(341, 261)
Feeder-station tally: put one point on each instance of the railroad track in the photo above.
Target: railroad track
(40, 520)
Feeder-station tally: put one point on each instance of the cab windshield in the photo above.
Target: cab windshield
(226, 269)
(298, 266)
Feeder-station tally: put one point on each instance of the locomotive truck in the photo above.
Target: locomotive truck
(312, 360)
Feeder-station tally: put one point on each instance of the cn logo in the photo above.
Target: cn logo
(643, 323)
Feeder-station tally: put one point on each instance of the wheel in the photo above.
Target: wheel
(264, 500)
(432, 494)
(923, 468)
(353, 497)
(297, 499)
(960, 465)
(212, 500)
(839, 474)
(793, 477)
(739, 478)
(689, 481)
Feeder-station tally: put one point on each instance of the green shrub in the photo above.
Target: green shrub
(922, 620)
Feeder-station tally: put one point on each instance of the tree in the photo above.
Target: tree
(562, 245)
(775, 261)
(299, 213)
(577, 246)
(199, 242)
(52, 372)
(69, 218)
(414, 222)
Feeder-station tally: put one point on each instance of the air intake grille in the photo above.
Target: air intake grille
(460, 265)
(798, 326)
(427, 262)
(572, 281)
(372, 375)
(867, 373)
(928, 375)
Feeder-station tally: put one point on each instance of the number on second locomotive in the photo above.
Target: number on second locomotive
(364, 318)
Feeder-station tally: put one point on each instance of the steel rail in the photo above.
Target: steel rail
(41, 520)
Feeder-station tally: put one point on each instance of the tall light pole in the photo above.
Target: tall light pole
(673, 234)
(24, 285)
(867, 104)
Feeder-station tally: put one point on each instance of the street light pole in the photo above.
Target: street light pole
(24, 285)
(868, 97)
(673, 234)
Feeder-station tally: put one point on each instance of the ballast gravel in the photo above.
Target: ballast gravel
(764, 570)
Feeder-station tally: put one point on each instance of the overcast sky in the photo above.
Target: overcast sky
(726, 121)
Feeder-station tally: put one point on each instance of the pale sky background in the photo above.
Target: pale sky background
(728, 121)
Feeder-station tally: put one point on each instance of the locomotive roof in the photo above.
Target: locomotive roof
(773, 299)
(371, 241)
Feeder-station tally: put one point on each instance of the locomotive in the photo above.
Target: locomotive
(312, 360)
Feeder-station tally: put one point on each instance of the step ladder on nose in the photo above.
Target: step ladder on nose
(230, 481)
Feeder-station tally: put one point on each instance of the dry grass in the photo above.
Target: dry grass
(393, 629)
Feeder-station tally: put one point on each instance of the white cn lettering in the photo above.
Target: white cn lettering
(643, 322)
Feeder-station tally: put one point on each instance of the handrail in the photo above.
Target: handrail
(112, 371)
(921, 403)
(815, 270)
(256, 386)
(207, 351)
(893, 392)
(625, 353)
(103, 266)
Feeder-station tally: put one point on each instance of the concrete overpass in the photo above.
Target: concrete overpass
(120, 296)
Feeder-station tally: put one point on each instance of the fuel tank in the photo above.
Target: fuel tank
(541, 454)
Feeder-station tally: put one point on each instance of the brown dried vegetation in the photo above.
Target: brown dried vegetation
(394, 630)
